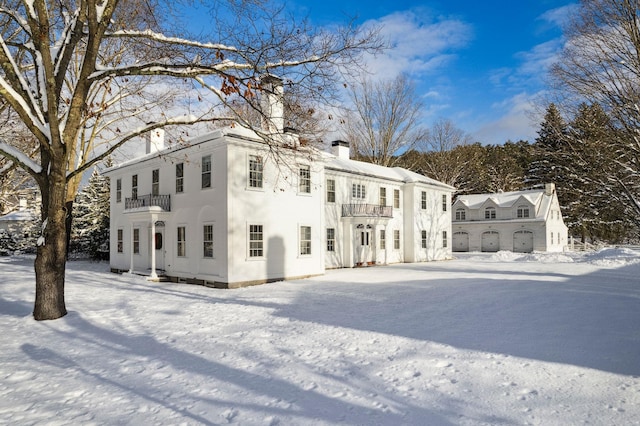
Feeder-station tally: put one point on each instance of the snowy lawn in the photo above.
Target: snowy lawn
(484, 339)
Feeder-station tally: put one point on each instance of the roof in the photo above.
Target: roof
(501, 199)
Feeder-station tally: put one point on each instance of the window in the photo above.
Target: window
(120, 242)
(522, 212)
(445, 242)
(305, 240)
(304, 185)
(424, 239)
(182, 241)
(383, 240)
(331, 191)
(444, 202)
(136, 240)
(179, 178)
(423, 200)
(396, 198)
(118, 190)
(158, 240)
(396, 239)
(461, 214)
(490, 213)
(207, 241)
(255, 241)
(331, 239)
(383, 197)
(552, 238)
(255, 171)
(155, 182)
(134, 187)
(358, 191)
(206, 171)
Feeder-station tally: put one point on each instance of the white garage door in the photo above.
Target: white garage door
(490, 241)
(460, 241)
(523, 241)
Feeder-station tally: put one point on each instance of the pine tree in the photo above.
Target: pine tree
(91, 225)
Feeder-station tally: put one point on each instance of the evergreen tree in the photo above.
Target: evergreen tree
(90, 235)
(549, 152)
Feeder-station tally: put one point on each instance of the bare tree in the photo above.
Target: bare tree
(385, 121)
(79, 72)
(600, 65)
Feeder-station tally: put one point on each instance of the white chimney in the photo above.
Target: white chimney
(272, 104)
(155, 141)
(549, 188)
(340, 149)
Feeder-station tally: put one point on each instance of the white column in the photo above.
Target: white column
(153, 248)
(131, 250)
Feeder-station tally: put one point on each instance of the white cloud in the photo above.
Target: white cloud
(515, 122)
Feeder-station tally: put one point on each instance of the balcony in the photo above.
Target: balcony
(162, 201)
(366, 210)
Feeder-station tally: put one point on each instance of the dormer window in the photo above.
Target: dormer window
(490, 213)
(461, 214)
(522, 212)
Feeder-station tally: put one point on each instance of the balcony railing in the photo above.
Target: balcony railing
(162, 201)
(366, 210)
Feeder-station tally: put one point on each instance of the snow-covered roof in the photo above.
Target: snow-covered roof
(501, 199)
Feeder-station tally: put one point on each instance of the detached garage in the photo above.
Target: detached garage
(523, 241)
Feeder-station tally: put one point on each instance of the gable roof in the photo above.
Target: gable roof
(502, 199)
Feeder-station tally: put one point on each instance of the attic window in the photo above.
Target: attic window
(490, 213)
(522, 212)
(461, 214)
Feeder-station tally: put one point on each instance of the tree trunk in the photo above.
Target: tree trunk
(68, 223)
(51, 255)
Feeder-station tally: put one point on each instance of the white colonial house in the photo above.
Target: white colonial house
(519, 221)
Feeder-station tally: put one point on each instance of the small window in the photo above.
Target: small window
(256, 241)
(120, 241)
(118, 190)
(305, 240)
(155, 182)
(396, 198)
(424, 239)
(461, 214)
(490, 213)
(445, 203)
(358, 191)
(383, 196)
(423, 200)
(134, 187)
(331, 239)
(445, 242)
(206, 171)
(182, 241)
(552, 238)
(255, 171)
(158, 240)
(136, 240)
(207, 240)
(396, 239)
(331, 191)
(522, 212)
(304, 185)
(179, 178)
(383, 241)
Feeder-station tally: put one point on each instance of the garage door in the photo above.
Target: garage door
(490, 241)
(523, 241)
(460, 241)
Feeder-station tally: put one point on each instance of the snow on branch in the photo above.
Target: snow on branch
(152, 35)
(19, 157)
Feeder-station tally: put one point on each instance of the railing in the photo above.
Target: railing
(366, 210)
(163, 201)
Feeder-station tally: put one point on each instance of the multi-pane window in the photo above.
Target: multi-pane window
(136, 240)
(383, 196)
(396, 239)
(134, 187)
(424, 239)
(445, 241)
(358, 191)
(206, 171)
(423, 200)
(383, 239)
(256, 242)
(118, 190)
(523, 212)
(182, 241)
(255, 171)
(461, 214)
(490, 213)
(331, 191)
(331, 239)
(179, 178)
(396, 198)
(552, 238)
(445, 203)
(155, 182)
(207, 241)
(305, 240)
(120, 241)
(304, 185)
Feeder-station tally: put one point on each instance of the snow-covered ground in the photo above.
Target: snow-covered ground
(483, 339)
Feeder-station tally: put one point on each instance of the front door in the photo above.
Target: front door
(364, 254)
(159, 237)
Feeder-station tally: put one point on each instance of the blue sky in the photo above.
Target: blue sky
(478, 63)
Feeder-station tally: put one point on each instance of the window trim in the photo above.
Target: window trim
(331, 239)
(445, 202)
(523, 212)
(396, 239)
(304, 182)
(134, 187)
(136, 240)
(259, 250)
(423, 238)
(120, 240)
(181, 241)
(331, 190)
(383, 196)
(358, 191)
(206, 166)
(396, 198)
(305, 240)
(180, 178)
(461, 214)
(119, 190)
(423, 200)
(490, 213)
(255, 172)
(383, 239)
(206, 241)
